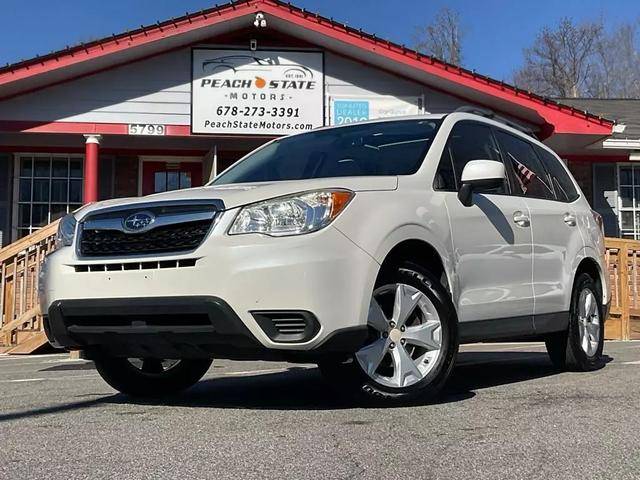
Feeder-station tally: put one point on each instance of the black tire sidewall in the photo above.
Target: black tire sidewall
(576, 356)
(127, 379)
(420, 278)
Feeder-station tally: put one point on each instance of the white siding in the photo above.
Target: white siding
(157, 90)
(344, 77)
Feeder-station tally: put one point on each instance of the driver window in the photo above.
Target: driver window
(467, 141)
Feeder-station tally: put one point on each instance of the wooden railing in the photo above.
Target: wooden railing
(623, 260)
(21, 329)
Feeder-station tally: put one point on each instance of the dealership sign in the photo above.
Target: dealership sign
(256, 92)
(358, 109)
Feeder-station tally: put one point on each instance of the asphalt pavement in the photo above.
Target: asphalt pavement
(505, 414)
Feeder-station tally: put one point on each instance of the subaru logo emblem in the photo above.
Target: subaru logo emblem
(139, 222)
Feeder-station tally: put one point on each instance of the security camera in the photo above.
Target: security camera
(260, 21)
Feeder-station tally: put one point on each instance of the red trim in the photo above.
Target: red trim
(113, 151)
(83, 128)
(40, 149)
(558, 118)
(63, 127)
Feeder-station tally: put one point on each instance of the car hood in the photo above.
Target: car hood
(239, 194)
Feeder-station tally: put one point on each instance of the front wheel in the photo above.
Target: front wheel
(150, 377)
(413, 340)
(580, 347)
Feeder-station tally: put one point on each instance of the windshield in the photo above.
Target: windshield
(383, 148)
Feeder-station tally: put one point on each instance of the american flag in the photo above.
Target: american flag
(524, 174)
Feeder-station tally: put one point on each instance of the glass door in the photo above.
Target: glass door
(166, 176)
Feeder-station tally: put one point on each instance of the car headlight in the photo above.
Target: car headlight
(292, 215)
(66, 231)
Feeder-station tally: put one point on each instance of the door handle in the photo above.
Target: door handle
(570, 219)
(521, 219)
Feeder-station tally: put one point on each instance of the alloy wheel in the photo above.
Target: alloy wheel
(588, 322)
(407, 336)
(153, 366)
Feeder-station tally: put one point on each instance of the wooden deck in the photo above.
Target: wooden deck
(21, 328)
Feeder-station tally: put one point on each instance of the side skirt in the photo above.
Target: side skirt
(527, 327)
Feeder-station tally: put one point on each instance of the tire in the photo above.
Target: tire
(571, 349)
(150, 378)
(352, 375)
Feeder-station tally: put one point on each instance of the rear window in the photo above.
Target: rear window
(562, 183)
(368, 149)
(529, 178)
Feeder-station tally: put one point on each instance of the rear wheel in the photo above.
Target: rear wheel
(580, 346)
(151, 377)
(413, 340)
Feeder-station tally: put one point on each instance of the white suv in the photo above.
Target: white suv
(371, 249)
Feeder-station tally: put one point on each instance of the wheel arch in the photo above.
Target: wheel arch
(421, 252)
(590, 263)
(592, 268)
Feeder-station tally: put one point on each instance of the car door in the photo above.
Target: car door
(557, 241)
(491, 242)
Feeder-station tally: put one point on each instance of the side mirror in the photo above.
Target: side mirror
(479, 175)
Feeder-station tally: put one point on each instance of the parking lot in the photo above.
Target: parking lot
(505, 414)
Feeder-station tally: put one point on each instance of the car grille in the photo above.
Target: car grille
(152, 265)
(177, 228)
(170, 238)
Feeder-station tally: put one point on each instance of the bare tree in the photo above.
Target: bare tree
(442, 38)
(561, 60)
(616, 72)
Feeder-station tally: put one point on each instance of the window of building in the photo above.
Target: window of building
(48, 187)
(528, 176)
(467, 141)
(629, 200)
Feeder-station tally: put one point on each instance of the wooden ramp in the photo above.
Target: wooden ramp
(32, 344)
(21, 328)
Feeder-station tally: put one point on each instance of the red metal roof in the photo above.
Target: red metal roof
(557, 117)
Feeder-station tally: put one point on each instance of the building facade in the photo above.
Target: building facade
(170, 105)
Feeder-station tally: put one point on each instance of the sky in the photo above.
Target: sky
(496, 31)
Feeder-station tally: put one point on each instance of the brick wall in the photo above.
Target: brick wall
(583, 173)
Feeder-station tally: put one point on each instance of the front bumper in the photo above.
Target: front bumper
(173, 327)
(323, 273)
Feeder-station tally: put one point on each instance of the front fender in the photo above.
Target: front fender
(379, 221)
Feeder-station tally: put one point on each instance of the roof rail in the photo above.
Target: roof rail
(485, 112)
